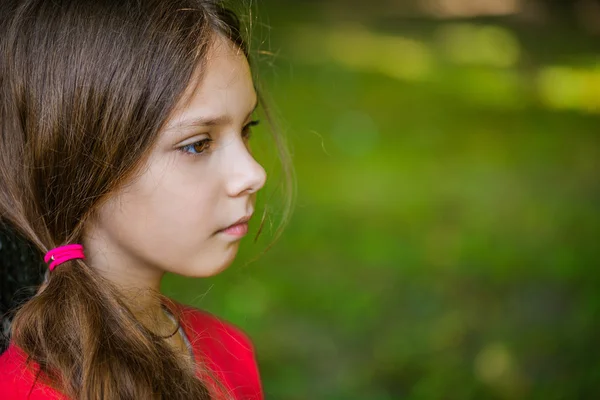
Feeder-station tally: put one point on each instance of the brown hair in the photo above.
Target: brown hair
(85, 87)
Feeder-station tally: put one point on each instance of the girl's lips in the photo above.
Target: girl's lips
(237, 230)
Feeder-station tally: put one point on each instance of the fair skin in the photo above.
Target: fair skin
(198, 180)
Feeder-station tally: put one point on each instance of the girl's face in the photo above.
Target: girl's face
(200, 178)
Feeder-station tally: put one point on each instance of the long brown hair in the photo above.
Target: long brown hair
(85, 88)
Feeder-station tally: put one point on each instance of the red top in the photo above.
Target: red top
(222, 347)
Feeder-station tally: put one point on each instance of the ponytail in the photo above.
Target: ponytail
(89, 345)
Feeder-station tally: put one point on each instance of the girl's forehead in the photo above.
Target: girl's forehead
(222, 85)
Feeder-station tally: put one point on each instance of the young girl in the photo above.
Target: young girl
(124, 128)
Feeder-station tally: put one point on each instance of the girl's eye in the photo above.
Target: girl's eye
(247, 131)
(197, 148)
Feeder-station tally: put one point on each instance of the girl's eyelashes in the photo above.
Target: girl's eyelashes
(196, 148)
(247, 131)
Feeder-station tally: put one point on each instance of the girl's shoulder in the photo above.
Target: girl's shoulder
(208, 328)
(225, 348)
(18, 378)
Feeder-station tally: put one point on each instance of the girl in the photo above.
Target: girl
(124, 128)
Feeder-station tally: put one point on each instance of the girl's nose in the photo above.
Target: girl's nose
(247, 175)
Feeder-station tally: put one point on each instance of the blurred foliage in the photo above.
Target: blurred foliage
(445, 238)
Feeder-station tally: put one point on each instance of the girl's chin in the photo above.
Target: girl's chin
(217, 265)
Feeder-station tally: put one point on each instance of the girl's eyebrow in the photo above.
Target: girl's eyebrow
(207, 121)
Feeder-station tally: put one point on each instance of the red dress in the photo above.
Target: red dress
(222, 347)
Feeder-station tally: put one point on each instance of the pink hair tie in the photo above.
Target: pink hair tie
(63, 254)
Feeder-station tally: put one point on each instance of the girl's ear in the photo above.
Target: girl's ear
(22, 270)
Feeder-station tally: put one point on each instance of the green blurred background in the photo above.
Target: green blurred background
(444, 242)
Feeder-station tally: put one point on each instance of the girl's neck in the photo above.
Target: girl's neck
(148, 307)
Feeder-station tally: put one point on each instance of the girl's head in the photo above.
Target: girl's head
(124, 125)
